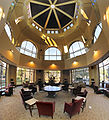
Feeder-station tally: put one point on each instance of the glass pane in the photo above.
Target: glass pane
(71, 49)
(58, 52)
(23, 44)
(97, 31)
(58, 57)
(76, 46)
(21, 51)
(72, 55)
(34, 49)
(47, 57)
(33, 55)
(77, 53)
(83, 51)
(29, 46)
(52, 51)
(47, 52)
(27, 53)
(81, 45)
(105, 62)
(52, 57)
(8, 31)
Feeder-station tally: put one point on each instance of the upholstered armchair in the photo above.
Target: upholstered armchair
(97, 90)
(46, 108)
(73, 108)
(83, 94)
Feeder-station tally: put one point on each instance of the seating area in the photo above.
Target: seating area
(17, 111)
(54, 59)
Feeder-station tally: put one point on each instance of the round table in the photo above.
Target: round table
(52, 90)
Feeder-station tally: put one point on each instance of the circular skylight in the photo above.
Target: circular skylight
(53, 14)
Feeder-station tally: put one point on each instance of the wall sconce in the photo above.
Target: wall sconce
(2, 15)
(95, 52)
(75, 63)
(106, 16)
(11, 50)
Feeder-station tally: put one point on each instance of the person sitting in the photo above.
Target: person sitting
(66, 85)
(40, 84)
(34, 89)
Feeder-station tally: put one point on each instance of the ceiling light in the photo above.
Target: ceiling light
(56, 32)
(48, 32)
(65, 29)
(71, 25)
(52, 32)
(52, 6)
(40, 29)
(33, 24)
(36, 27)
(68, 27)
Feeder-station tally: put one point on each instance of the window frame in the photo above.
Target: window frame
(56, 56)
(26, 50)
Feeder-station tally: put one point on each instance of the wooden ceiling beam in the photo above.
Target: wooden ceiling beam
(66, 14)
(55, 2)
(66, 3)
(48, 18)
(50, 2)
(57, 18)
(39, 3)
(40, 13)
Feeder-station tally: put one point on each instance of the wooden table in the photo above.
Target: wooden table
(30, 103)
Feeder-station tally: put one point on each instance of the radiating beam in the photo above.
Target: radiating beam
(66, 3)
(57, 18)
(55, 2)
(50, 2)
(48, 18)
(39, 3)
(41, 13)
(64, 13)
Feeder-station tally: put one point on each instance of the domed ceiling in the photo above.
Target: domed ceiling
(52, 14)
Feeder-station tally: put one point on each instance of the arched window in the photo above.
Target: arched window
(76, 49)
(97, 32)
(52, 53)
(8, 31)
(28, 48)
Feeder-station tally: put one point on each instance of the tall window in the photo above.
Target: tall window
(81, 75)
(77, 49)
(24, 75)
(8, 31)
(28, 48)
(97, 32)
(52, 53)
(2, 75)
(48, 74)
(104, 71)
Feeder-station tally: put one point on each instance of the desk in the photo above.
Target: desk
(31, 102)
(84, 101)
(52, 90)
